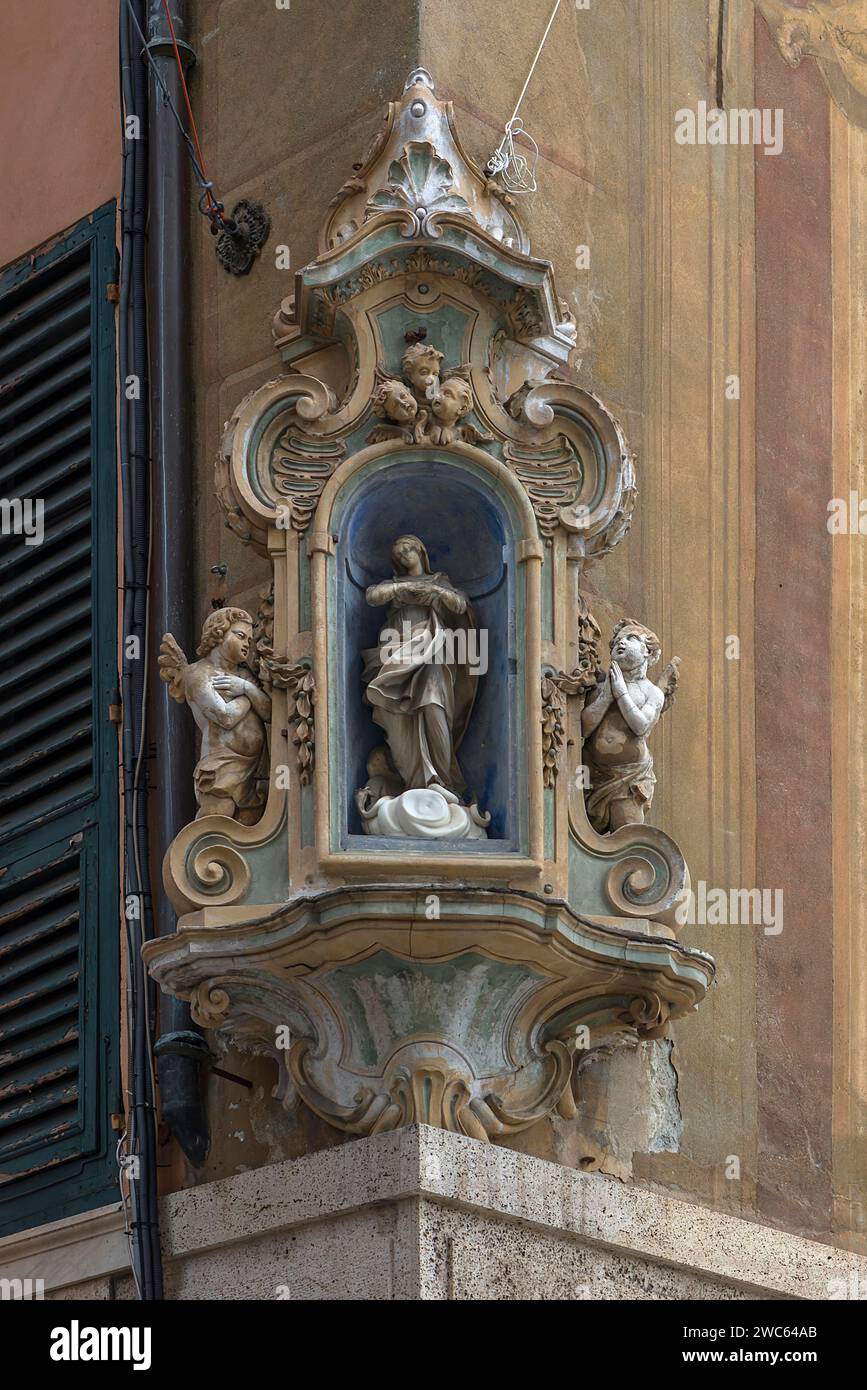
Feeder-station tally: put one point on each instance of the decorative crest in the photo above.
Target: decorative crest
(418, 167)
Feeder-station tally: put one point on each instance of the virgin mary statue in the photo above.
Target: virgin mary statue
(417, 678)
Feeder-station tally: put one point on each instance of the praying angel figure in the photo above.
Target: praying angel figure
(618, 716)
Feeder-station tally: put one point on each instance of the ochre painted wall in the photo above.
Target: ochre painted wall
(59, 117)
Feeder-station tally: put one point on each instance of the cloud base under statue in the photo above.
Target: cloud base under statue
(426, 813)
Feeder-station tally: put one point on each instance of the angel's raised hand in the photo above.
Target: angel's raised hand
(618, 684)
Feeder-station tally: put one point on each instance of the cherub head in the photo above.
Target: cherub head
(454, 400)
(379, 762)
(634, 646)
(232, 630)
(394, 401)
(420, 365)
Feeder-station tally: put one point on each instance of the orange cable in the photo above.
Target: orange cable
(211, 200)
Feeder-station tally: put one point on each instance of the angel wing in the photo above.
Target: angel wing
(173, 664)
(470, 435)
(383, 432)
(667, 683)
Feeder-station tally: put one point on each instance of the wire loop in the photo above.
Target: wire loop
(515, 172)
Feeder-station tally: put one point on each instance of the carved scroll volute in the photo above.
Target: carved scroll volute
(245, 483)
(599, 506)
(648, 874)
(491, 1060)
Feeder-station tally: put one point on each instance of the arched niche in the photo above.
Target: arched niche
(474, 532)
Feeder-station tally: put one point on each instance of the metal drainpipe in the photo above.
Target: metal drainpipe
(181, 1050)
(134, 437)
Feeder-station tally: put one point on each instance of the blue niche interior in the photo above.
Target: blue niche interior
(468, 534)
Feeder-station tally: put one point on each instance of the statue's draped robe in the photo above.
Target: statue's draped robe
(421, 700)
(623, 782)
(226, 771)
(223, 772)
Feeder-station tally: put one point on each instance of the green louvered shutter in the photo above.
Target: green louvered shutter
(59, 991)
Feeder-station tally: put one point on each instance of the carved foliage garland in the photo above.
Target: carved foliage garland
(553, 728)
(556, 689)
(299, 683)
(295, 678)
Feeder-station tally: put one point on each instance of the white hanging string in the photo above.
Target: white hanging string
(517, 174)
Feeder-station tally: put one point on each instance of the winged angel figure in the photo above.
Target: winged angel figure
(618, 716)
(231, 711)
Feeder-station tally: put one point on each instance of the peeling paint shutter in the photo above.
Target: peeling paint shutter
(46, 684)
(40, 1002)
(59, 919)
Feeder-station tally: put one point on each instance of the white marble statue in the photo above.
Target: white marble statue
(618, 716)
(421, 686)
(231, 711)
